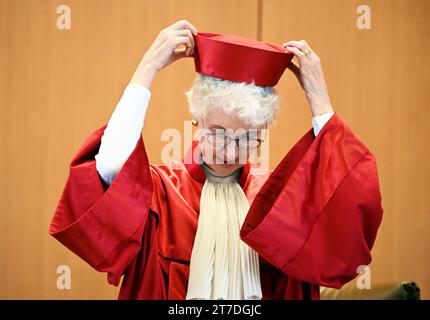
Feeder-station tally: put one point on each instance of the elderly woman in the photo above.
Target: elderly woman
(215, 227)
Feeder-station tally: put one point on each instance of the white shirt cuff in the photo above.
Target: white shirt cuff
(318, 122)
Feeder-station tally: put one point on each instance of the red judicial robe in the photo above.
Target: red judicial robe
(313, 219)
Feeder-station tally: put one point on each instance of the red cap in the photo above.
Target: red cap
(240, 59)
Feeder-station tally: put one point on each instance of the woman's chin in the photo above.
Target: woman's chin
(225, 168)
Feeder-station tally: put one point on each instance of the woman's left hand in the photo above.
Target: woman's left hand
(310, 75)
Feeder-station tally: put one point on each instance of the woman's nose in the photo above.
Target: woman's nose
(231, 153)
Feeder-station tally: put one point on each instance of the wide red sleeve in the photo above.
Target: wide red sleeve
(104, 226)
(317, 216)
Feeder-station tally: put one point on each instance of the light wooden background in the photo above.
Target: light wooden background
(57, 86)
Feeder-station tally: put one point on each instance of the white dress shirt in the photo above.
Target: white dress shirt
(125, 127)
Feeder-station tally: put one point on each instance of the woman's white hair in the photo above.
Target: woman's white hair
(253, 104)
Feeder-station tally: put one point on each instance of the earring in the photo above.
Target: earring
(194, 122)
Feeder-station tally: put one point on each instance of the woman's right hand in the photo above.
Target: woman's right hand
(164, 51)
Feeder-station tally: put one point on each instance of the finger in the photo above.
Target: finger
(297, 52)
(181, 24)
(298, 44)
(182, 40)
(180, 50)
(183, 33)
(187, 33)
(179, 53)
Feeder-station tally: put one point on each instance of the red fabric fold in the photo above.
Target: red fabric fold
(104, 227)
(317, 215)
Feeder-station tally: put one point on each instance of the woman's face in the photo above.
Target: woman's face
(220, 151)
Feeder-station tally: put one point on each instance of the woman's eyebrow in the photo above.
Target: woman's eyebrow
(216, 126)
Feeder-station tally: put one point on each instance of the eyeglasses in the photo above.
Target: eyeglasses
(218, 139)
(247, 142)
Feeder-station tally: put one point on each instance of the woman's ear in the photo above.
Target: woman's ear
(198, 133)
